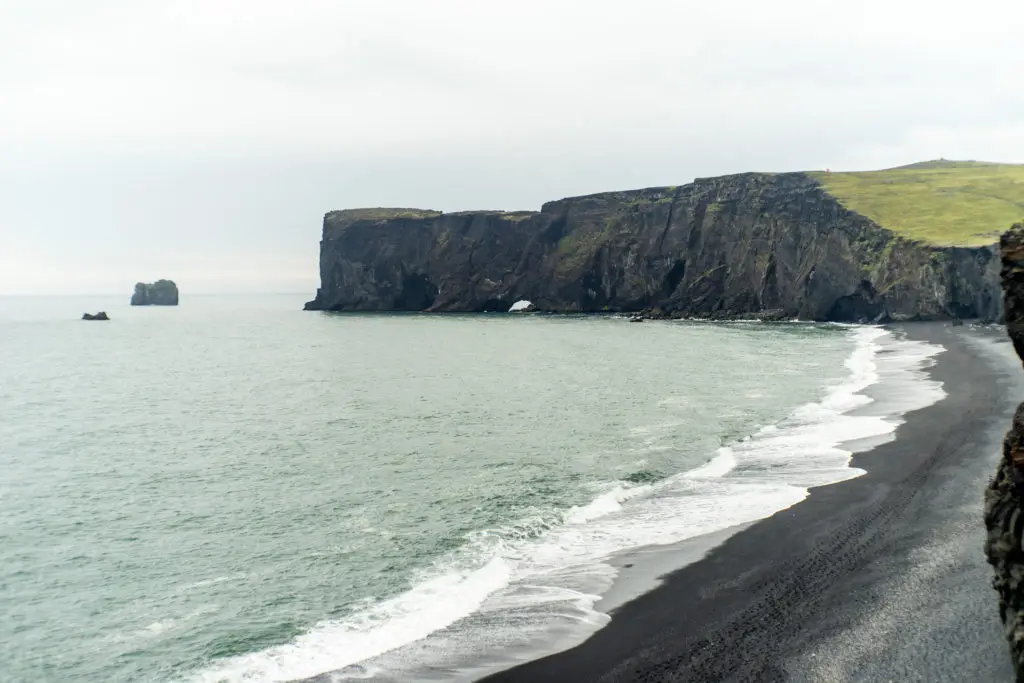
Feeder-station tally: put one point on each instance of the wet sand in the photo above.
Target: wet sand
(877, 578)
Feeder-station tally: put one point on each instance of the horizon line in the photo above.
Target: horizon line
(113, 294)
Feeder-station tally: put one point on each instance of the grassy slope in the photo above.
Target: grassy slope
(384, 213)
(962, 203)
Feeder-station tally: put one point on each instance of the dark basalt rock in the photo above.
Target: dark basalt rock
(882, 318)
(747, 246)
(102, 315)
(159, 293)
(1004, 498)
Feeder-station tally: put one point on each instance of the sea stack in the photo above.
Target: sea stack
(102, 315)
(159, 293)
(1004, 499)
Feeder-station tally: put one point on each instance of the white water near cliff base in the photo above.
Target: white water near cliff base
(519, 591)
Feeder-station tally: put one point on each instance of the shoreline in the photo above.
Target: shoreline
(648, 565)
(770, 602)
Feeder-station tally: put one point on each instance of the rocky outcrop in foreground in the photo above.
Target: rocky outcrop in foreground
(102, 315)
(750, 245)
(1004, 499)
(159, 293)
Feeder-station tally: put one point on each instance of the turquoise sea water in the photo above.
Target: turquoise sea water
(235, 489)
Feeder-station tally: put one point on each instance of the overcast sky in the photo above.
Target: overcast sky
(203, 140)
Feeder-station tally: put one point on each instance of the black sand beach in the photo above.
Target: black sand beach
(879, 578)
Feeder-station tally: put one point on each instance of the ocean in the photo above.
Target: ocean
(238, 490)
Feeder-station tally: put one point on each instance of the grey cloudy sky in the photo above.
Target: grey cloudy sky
(204, 139)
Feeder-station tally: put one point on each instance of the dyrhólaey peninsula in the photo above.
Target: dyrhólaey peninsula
(909, 243)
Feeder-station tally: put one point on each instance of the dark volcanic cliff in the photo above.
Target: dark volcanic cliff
(1004, 499)
(758, 245)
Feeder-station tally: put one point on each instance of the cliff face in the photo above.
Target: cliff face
(750, 245)
(159, 293)
(1004, 499)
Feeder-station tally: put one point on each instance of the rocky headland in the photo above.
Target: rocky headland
(159, 293)
(1004, 499)
(754, 245)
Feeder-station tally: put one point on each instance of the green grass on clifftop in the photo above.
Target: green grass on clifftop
(383, 213)
(964, 203)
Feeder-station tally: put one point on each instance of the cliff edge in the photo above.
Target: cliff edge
(1004, 498)
(748, 245)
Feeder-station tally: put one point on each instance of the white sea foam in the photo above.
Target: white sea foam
(158, 627)
(533, 587)
(431, 605)
(719, 466)
(211, 582)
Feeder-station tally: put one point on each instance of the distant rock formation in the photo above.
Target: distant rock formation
(102, 315)
(1004, 499)
(755, 245)
(159, 293)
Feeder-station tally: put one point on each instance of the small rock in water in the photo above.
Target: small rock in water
(102, 315)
